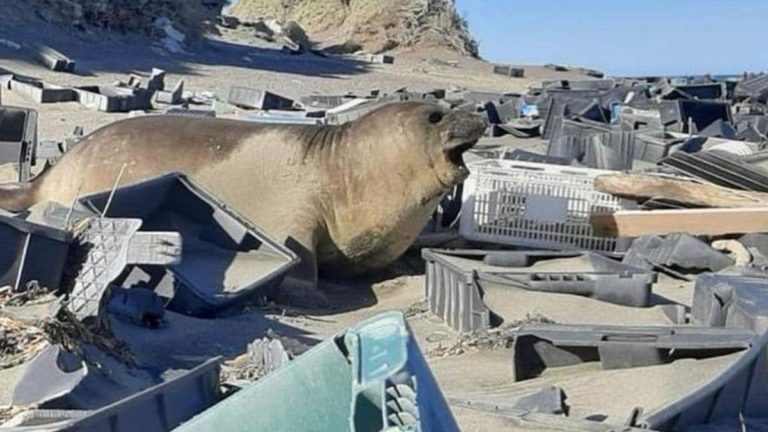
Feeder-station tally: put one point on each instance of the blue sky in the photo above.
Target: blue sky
(624, 37)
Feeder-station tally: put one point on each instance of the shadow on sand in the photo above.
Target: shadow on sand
(130, 53)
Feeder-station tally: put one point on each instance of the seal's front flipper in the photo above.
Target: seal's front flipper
(300, 287)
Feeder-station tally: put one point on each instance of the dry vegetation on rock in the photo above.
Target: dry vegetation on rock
(370, 25)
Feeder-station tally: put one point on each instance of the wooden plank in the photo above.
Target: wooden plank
(652, 186)
(633, 223)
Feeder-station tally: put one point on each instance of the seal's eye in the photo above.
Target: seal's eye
(435, 117)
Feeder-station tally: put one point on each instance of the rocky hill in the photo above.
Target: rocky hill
(192, 17)
(370, 25)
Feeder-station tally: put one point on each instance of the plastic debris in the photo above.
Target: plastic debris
(370, 377)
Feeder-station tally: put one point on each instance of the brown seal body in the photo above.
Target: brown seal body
(347, 199)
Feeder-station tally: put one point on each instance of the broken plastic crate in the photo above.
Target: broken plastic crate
(676, 114)
(735, 400)
(711, 91)
(536, 205)
(569, 137)
(31, 252)
(721, 300)
(18, 138)
(675, 251)
(752, 87)
(610, 150)
(224, 257)
(455, 280)
(654, 146)
(321, 102)
(157, 409)
(103, 249)
(171, 97)
(720, 169)
(539, 347)
(370, 378)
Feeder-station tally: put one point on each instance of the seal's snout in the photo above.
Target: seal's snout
(465, 130)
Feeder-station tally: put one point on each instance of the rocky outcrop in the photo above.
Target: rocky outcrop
(370, 25)
(188, 16)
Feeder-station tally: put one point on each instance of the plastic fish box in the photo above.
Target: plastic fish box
(734, 400)
(455, 280)
(42, 92)
(114, 99)
(537, 205)
(721, 300)
(157, 409)
(224, 257)
(31, 252)
(18, 138)
(371, 377)
(539, 347)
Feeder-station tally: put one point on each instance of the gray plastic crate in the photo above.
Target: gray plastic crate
(371, 377)
(114, 99)
(30, 252)
(257, 99)
(652, 148)
(18, 138)
(55, 60)
(539, 347)
(509, 71)
(102, 251)
(157, 409)
(675, 251)
(721, 300)
(455, 280)
(735, 400)
(41, 92)
(217, 241)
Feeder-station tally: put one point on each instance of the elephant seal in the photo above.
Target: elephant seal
(347, 199)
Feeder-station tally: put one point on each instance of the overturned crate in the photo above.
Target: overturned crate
(257, 99)
(53, 59)
(536, 205)
(224, 257)
(372, 377)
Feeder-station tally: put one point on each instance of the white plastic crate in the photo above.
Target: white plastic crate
(535, 205)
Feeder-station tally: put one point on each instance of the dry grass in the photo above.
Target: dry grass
(19, 342)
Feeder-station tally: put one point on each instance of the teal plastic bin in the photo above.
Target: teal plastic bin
(369, 378)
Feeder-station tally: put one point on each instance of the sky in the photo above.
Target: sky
(624, 37)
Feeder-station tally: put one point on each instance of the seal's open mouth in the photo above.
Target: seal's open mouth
(456, 152)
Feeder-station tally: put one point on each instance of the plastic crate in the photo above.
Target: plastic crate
(371, 377)
(536, 205)
(456, 281)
